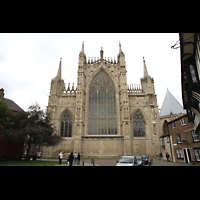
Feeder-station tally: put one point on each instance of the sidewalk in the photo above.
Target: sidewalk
(112, 162)
(157, 162)
(75, 165)
(64, 161)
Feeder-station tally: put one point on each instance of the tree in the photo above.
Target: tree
(5, 115)
(34, 127)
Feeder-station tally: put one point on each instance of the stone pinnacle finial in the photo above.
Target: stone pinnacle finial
(120, 49)
(82, 50)
(145, 69)
(101, 53)
(59, 70)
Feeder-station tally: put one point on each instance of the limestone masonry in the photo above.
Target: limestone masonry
(103, 116)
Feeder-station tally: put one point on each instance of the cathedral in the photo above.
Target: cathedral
(104, 116)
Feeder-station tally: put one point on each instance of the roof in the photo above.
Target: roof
(184, 115)
(170, 104)
(11, 105)
(166, 133)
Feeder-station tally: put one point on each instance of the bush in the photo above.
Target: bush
(6, 157)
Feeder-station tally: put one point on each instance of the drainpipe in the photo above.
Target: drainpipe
(170, 143)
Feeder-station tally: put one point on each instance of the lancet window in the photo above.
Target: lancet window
(138, 125)
(66, 126)
(102, 116)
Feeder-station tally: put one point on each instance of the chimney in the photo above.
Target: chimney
(2, 93)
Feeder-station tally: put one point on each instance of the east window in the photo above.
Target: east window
(102, 116)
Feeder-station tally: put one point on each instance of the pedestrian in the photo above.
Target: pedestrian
(70, 159)
(60, 156)
(76, 156)
(79, 158)
(167, 156)
(160, 155)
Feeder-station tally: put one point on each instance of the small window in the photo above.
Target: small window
(178, 138)
(162, 142)
(197, 154)
(179, 153)
(173, 125)
(183, 121)
(195, 136)
(167, 139)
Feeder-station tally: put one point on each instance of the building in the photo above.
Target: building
(8, 149)
(190, 76)
(180, 140)
(103, 116)
(170, 110)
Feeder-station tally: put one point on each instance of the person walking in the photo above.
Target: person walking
(60, 156)
(167, 156)
(70, 159)
(79, 158)
(76, 156)
(160, 155)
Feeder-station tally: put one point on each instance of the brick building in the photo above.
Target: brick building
(180, 140)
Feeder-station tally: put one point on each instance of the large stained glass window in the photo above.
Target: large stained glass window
(102, 116)
(138, 125)
(66, 126)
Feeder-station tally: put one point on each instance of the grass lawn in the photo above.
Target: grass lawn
(28, 163)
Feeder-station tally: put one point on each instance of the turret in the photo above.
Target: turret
(57, 84)
(146, 75)
(82, 56)
(147, 82)
(121, 57)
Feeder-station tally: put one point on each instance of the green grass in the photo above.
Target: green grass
(28, 163)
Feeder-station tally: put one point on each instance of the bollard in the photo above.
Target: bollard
(83, 163)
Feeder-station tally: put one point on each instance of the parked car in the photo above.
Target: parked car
(127, 161)
(145, 159)
(140, 160)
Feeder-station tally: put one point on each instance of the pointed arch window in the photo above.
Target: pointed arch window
(138, 125)
(66, 126)
(102, 116)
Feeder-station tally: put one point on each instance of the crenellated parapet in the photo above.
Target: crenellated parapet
(108, 61)
(135, 89)
(70, 90)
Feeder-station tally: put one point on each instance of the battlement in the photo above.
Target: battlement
(109, 61)
(70, 91)
(137, 88)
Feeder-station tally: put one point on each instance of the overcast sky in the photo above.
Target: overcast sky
(29, 61)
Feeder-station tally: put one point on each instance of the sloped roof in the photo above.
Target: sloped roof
(170, 104)
(11, 105)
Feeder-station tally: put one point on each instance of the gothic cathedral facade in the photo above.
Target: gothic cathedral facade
(103, 116)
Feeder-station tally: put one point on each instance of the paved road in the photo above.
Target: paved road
(156, 162)
(112, 162)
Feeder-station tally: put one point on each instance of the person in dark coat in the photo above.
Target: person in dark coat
(70, 159)
(167, 156)
(79, 157)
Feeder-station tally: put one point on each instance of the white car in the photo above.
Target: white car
(127, 161)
